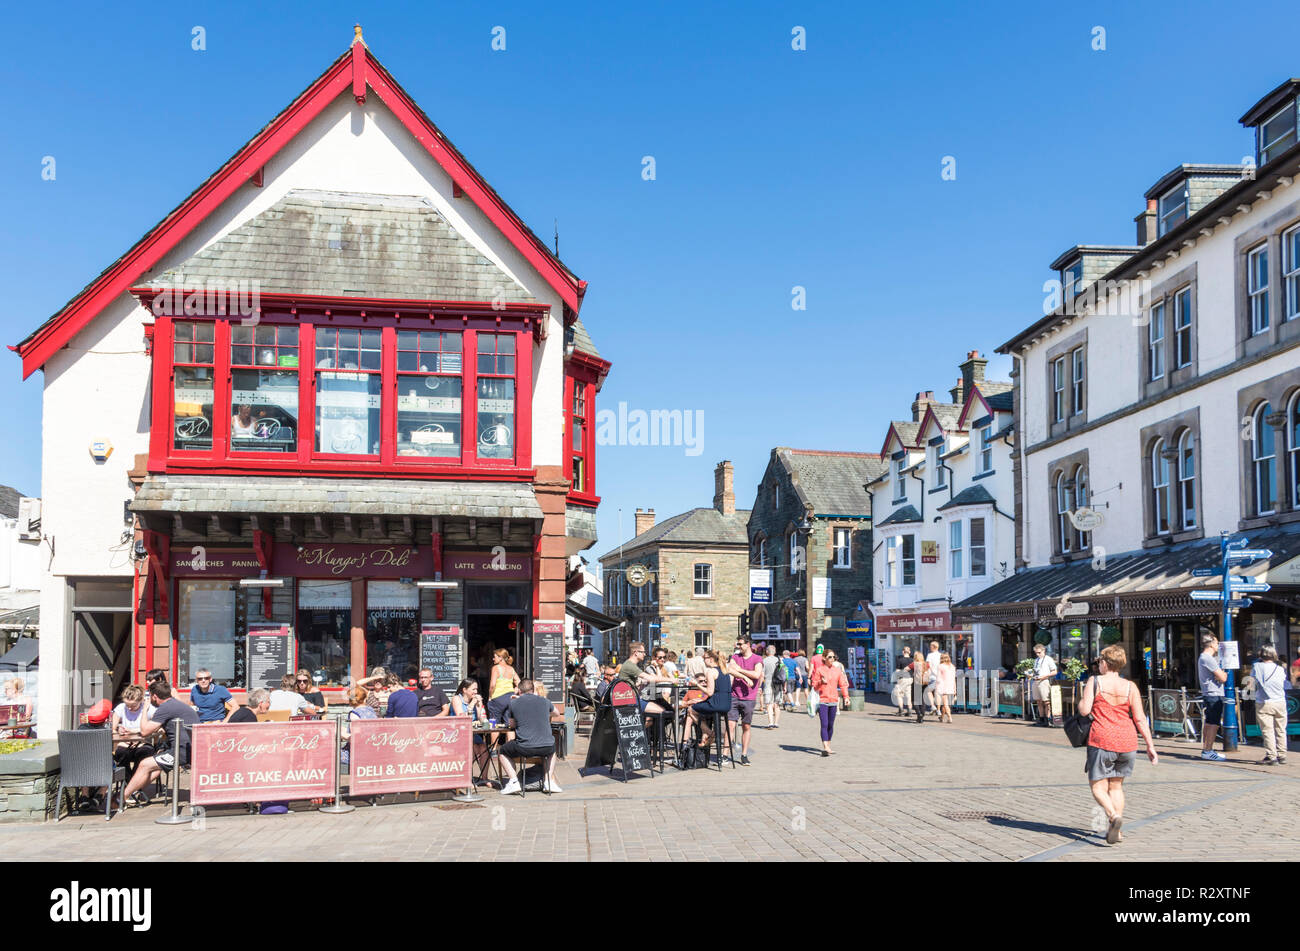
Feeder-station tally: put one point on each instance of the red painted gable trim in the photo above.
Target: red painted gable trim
(245, 166)
(931, 416)
(965, 416)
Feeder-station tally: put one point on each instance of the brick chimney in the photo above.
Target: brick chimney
(724, 494)
(645, 520)
(1146, 224)
(957, 393)
(972, 371)
(920, 403)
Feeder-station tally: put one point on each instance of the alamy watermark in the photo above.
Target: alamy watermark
(656, 427)
(221, 298)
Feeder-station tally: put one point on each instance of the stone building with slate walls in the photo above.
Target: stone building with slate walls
(341, 388)
(814, 501)
(698, 564)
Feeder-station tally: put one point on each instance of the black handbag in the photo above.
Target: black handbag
(1077, 728)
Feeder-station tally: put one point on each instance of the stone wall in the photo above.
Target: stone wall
(29, 784)
(718, 613)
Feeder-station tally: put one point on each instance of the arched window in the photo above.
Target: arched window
(1293, 442)
(1262, 451)
(1063, 535)
(759, 625)
(1187, 480)
(1160, 487)
(1082, 540)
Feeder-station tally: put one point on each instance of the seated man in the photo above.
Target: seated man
(169, 716)
(288, 698)
(607, 677)
(213, 701)
(530, 715)
(259, 702)
(403, 703)
(431, 701)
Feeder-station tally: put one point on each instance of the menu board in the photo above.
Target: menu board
(441, 650)
(270, 654)
(548, 656)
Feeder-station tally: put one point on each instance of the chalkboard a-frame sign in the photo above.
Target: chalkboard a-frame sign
(633, 745)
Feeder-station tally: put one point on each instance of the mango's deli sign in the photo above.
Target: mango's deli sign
(353, 561)
(345, 561)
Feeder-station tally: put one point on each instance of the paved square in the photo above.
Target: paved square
(973, 790)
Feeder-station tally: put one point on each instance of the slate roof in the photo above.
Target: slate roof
(999, 401)
(975, 495)
(907, 513)
(831, 482)
(1153, 570)
(704, 526)
(167, 494)
(907, 430)
(9, 502)
(947, 414)
(989, 388)
(349, 245)
(582, 342)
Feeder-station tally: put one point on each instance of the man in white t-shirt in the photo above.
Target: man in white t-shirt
(590, 669)
(1044, 671)
(932, 677)
(286, 698)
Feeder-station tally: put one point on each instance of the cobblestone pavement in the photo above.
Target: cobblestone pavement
(974, 790)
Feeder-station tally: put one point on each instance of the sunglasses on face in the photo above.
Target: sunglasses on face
(203, 679)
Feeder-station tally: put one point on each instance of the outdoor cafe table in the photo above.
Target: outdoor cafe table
(557, 731)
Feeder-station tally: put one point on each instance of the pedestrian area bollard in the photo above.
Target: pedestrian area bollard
(175, 818)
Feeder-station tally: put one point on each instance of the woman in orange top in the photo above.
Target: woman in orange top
(830, 683)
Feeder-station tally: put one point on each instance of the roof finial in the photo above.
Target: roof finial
(357, 38)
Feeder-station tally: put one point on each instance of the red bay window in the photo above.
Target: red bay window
(344, 394)
(580, 438)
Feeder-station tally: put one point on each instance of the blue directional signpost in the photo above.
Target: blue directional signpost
(1232, 553)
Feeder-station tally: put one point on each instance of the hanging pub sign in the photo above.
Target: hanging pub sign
(929, 552)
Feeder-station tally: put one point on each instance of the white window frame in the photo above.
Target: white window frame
(1167, 211)
(1058, 390)
(1156, 342)
(1257, 292)
(1293, 448)
(900, 483)
(1077, 367)
(707, 579)
(956, 549)
(986, 448)
(1183, 328)
(1263, 465)
(940, 473)
(904, 561)
(1266, 147)
(971, 547)
(1082, 540)
(1161, 514)
(1187, 481)
(706, 643)
(893, 559)
(1291, 277)
(1062, 493)
(843, 553)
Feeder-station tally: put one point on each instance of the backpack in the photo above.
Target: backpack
(779, 673)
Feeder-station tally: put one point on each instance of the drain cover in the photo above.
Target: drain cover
(974, 816)
(861, 782)
(450, 806)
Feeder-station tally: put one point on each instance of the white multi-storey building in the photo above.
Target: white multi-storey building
(944, 526)
(1158, 405)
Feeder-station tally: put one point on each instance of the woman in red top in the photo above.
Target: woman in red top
(829, 681)
(1117, 718)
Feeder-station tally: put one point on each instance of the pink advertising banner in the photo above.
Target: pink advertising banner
(258, 762)
(409, 755)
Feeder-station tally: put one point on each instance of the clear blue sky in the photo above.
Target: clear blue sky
(775, 168)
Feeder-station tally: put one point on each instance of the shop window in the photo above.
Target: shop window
(429, 392)
(496, 396)
(212, 619)
(263, 388)
(325, 630)
(348, 387)
(393, 627)
(192, 385)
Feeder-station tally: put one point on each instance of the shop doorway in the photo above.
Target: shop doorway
(101, 658)
(496, 616)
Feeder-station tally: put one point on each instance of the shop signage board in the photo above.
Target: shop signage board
(492, 565)
(270, 652)
(548, 656)
(760, 585)
(929, 552)
(1011, 697)
(1167, 710)
(821, 594)
(441, 650)
(199, 561)
(352, 561)
(410, 755)
(262, 762)
(912, 623)
(633, 746)
(858, 629)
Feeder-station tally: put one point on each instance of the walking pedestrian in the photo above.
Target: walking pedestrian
(920, 679)
(830, 683)
(801, 664)
(791, 680)
(1212, 679)
(1117, 717)
(946, 687)
(932, 678)
(1270, 704)
(1044, 672)
(746, 669)
(773, 690)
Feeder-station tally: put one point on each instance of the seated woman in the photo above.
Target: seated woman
(361, 710)
(715, 683)
(306, 686)
(466, 702)
(16, 696)
(127, 716)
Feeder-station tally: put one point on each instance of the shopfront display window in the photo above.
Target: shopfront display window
(393, 627)
(325, 630)
(212, 620)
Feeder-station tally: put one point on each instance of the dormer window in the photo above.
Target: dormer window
(940, 473)
(1277, 133)
(1072, 279)
(900, 487)
(1173, 208)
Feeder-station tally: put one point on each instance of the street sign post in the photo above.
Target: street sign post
(1207, 595)
(1234, 553)
(1203, 573)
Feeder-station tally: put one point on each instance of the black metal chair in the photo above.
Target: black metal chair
(86, 759)
(721, 728)
(521, 771)
(661, 725)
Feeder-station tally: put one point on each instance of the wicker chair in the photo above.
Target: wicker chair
(86, 759)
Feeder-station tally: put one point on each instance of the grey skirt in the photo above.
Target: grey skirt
(1104, 764)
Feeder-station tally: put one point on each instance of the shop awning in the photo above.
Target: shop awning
(580, 612)
(24, 655)
(190, 495)
(1154, 582)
